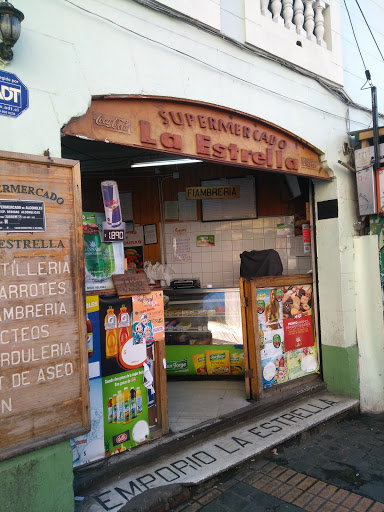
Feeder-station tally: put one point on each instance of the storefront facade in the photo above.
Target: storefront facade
(123, 51)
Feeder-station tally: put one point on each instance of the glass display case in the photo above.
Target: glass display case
(203, 316)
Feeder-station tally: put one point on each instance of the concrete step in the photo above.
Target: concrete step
(195, 460)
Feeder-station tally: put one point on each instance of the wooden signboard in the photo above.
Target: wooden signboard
(198, 130)
(44, 395)
(128, 285)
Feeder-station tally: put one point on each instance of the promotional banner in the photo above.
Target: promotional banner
(93, 336)
(101, 259)
(125, 406)
(148, 316)
(198, 360)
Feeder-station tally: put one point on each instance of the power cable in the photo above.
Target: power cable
(369, 28)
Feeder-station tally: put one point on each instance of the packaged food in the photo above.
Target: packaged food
(199, 362)
(236, 362)
(217, 362)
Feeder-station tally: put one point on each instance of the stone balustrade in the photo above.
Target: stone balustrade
(305, 17)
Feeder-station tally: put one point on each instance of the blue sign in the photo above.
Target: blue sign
(14, 96)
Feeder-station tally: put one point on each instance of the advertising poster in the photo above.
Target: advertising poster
(133, 248)
(93, 336)
(148, 317)
(101, 259)
(181, 245)
(270, 318)
(298, 322)
(274, 371)
(90, 447)
(199, 360)
(301, 362)
(205, 240)
(125, 407)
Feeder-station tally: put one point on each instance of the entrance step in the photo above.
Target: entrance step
(198, 460)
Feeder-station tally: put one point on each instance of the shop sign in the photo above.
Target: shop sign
(14, 96)
(222, 192)
(43, 349)
(197, 130)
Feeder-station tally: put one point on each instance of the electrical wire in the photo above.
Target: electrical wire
(367, 74)
(341, 95)
(369, 28)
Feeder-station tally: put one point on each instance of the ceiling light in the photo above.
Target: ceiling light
(157, 163)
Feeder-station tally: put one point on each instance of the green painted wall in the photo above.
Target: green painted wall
(340, 369)
(40, 481)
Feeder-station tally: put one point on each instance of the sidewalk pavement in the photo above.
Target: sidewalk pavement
(334, 468)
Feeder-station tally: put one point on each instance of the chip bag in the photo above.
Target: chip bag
(200, 364)
(217, 362)
(236, 362)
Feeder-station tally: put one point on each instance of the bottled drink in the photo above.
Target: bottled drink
(133, 403)
(108, 259)
(111, 203)
(114, 409)
(139, 401)
(127, 406)
(261, 338)
(123, 324)
(94, 256)
(110, 411)
(89, 338)
(119, 407)
(110, 325)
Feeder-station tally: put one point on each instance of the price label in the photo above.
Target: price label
(113, 235)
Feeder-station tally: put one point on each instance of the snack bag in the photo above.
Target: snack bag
(217, 362)
(236, 362)
(199, 363)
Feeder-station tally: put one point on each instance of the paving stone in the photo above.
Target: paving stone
(286, 475)
(317, 487)
(314, 504)
(295, 480)
(377, 507)
(227, 485)
(328, 506)
(303, 499)
(363, 505)
(292, 495)
(305, 484)
(251, 479)
(209, 496)
(328, 492)
(351, 501)
(340, 496)
(281, 491)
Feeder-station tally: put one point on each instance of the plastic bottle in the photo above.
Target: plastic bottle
(127, 406)
(94, 256)
(133, 403)
(120, 406)
(89, 338)
(261, 337)
(110, 324)
(110, 411)
(114, 409)
(123, 323)
(139, 401)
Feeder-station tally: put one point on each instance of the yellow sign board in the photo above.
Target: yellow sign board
(221, 192)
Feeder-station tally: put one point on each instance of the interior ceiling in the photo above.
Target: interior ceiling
(97, 157)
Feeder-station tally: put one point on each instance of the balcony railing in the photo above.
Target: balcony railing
(305, 17)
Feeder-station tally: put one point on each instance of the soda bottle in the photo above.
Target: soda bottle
(110, 325)
(139, 401)
(110, 411)
(108, 259)
(133, 403)
(114, 409)
(261, 337)
(89, 338)
(127, 406)
(119, 407)
(123, 324)
(94, 256)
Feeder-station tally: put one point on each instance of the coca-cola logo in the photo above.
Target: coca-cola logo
(121, 438)
(117, 124)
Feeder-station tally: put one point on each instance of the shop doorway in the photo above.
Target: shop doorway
(211, 334)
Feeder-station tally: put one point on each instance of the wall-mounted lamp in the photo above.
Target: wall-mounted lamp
(10, 27)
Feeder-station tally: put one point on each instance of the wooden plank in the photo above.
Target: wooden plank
(256, 337)
(367, 134)
(44, 394)
(245, 335)
(161, 387)
(272, 281)
(128, 285)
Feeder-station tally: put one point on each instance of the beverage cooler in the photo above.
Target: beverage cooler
(121, 338)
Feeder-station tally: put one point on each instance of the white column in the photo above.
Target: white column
(309, 20)
(298, 17)
(288, 14)
(264, 8)
(319, 23)
(276, 11)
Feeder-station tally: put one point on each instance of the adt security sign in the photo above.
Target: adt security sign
(14, 96)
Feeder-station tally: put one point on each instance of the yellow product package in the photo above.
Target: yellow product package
(217, 362)
(236, 362)
(199, 362)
